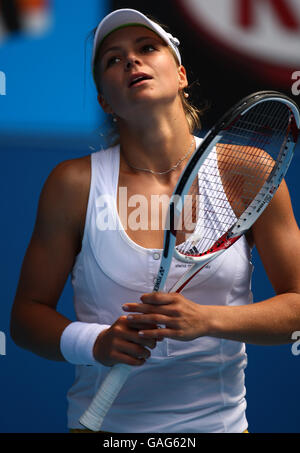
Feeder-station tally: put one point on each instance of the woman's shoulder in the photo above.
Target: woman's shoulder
(66, 188)
(77, 172)
(77, 168)
(71, 174)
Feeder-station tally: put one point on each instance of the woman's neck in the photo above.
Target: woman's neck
(156, 144)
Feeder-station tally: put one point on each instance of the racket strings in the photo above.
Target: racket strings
(232, 176)
(243, 177)
(272, 117)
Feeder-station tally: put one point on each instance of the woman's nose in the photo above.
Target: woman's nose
(131, 61)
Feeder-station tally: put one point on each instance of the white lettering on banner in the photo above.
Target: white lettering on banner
(268, 30)
(282, 9)
(2, 83)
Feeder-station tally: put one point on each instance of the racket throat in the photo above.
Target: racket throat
(225, 241)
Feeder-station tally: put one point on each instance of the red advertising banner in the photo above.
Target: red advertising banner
(265, 34)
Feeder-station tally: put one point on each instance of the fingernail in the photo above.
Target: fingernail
(125, 308)
(141, 334)
(130, 317)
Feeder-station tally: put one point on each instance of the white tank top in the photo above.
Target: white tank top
(195, 386)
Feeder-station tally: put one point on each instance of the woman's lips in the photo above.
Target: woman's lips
(138, 78)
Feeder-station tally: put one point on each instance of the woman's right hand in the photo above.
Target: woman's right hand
(121, 344)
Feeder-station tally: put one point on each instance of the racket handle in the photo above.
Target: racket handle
(104, 398)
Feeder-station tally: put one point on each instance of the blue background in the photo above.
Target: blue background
(48, 115)
(48, 83)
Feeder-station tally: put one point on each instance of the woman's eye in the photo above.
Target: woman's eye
(148, 48)
(111, 61)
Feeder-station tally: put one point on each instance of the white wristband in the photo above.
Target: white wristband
(77, 342)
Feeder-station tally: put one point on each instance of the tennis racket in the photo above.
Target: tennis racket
(227, 184)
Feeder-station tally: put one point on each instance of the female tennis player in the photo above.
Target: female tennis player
(97, 219)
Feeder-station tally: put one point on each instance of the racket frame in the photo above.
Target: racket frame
(254, 210)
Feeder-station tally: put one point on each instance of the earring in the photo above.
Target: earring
(114, 118)
(186, 95)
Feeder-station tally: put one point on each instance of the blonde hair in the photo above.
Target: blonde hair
(192, 113)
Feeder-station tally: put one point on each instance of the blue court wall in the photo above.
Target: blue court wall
(50, 114)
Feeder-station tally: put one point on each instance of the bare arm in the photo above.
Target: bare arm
(35, 323)
(56, 239)
(271, 321)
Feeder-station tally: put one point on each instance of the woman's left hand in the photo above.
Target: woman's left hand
(182, 319)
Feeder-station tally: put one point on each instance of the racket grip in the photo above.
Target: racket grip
(104, 398)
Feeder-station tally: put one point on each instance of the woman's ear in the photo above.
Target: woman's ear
(183, 82)
(105, 106)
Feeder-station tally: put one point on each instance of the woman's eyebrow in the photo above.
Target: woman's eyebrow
(150, 38)
(144, 38)
(137, 41)
(110, 49)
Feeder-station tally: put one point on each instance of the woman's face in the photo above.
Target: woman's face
(136, 69)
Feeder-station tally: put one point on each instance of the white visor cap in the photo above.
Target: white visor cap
(126, 17)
